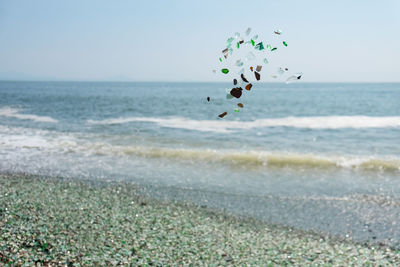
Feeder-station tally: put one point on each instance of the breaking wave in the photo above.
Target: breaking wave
(40, 140)
(14, 113)
(225, 126)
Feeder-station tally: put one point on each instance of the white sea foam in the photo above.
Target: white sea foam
(226, 126)
(14, 139)
(14, 113)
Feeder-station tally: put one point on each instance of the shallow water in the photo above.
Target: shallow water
(294, 152)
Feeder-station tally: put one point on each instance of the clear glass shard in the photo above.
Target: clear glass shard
(248, 31)
(250, 56)
(265, 61)
(239, 63)
(237, 35)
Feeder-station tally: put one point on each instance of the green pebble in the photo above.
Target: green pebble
(225, 71)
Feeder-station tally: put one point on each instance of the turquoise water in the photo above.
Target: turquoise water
(300, 141)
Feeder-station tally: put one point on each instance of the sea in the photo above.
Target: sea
(323, 157)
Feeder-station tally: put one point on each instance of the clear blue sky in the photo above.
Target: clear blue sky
(330, 41)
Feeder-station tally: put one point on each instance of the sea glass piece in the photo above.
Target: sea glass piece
(291, 79)
(248, 31)
(244, 78)
(258, 68)
(257, 75)
(268, 46)
(273, 49)
(265, 60)
(220, 59)
(279, 32)
(234, 81)
(225, 51)
(223, 114)
(230, 51)
(239, 63)
(230, 40)
(225, 71)
(255, 37)
(284, 43)
(240, 105)
(259, 46)
(236, 110)
(237, 35)
(251, 68)
(248, 87)
(250, 56)
(252, 42)
(237, 45)
(241, 41)
(228, 96)
(236, 92)
(208, 98)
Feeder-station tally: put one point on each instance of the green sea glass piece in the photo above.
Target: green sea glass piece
(236, 110)
(284, 43)
(259, 46)
(255, 37)
(273, 49)
(225, 71)
(265, 60)
(220, 59)
(252, 42)
(238, 45)
(268, 47)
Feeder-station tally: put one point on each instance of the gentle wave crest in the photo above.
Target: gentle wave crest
(14, 113)
(23, 138)
(225, 126)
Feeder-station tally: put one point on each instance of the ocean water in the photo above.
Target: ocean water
(314, 156)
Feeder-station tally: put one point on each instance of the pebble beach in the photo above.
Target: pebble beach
(51, 221)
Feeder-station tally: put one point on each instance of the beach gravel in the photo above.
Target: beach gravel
(53, 221)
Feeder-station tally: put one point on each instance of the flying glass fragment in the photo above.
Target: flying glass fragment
(250, 56)
(258, 68)
(223, 114)
(259, 46)
(279, 32)
(244, 78)
(248, 31)
(248, 87)
(284, 43)
(257, 75)
(236, 92)
(240, 105)
(225, 71)
(239, 63)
